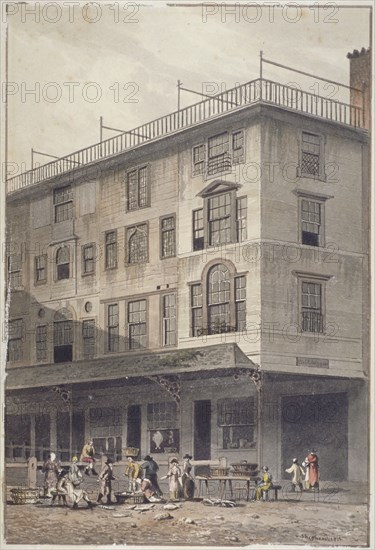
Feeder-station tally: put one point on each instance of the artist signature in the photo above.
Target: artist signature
(317, 538)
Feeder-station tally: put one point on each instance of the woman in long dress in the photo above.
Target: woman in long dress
(51, 471)
(174, 476)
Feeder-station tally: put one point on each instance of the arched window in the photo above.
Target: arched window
(63, 263)
(137, 244)
(218, 299)
(218, 302)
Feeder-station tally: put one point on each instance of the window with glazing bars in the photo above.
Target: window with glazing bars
(312, 318)
(219, 221)
(311, 151)
(237, 420)
(168, 237)
(113, 327)
(240, 302)
(218, 299)
(41, 268)
(63, 333)
(198, 229)
(137, 324)
(111, 249)
(63, 202)
(63, 263)
(15, 340)
(88, 259)
(199, 159)
(311, 222)
(169, 320)
(238, 147)
(88, 337)
(219, 159)
(14, 270)
(196, 309)
(241, 219)
(41, 343)
(137, 188)
(162, 415)
(137, 238)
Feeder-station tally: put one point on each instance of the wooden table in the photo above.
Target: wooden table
(223, 483)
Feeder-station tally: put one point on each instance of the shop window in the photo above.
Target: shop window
(237, 422)
(162, 422)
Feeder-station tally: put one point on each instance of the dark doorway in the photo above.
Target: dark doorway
(202, 434)
(317, 422)
(133, 438)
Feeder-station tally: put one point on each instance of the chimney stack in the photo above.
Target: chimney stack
(360, 77)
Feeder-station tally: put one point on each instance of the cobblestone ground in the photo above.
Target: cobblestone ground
(304, 522)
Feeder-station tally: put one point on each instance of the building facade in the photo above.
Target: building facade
(199, 284)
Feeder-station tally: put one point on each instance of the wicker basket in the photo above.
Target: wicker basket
(136, 499)
(131, 451)
(218, 472)
(21, 495)
(244, 468)
(129, 498)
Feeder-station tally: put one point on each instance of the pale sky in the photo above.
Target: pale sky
(146, 48)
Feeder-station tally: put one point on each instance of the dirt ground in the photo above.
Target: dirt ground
(308, 521)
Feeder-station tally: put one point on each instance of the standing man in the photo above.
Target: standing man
(186, 478)
(314, 471)
(87, 456)
(298, 474)
(150, 469)
(105, 481)
(132, 471)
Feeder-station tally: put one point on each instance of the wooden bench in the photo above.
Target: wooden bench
(275, 489)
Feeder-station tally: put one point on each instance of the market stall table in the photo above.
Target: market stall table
(223, 483)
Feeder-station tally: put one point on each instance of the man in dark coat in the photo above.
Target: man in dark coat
(150, 469)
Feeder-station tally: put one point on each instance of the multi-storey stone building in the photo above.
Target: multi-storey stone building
(200, 285)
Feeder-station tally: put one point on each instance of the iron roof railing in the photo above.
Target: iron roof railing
(255, 91)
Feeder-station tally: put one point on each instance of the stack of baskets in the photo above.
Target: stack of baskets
(244, 469)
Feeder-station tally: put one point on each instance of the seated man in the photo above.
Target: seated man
(264, 484)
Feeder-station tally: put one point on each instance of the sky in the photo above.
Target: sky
(68, 66)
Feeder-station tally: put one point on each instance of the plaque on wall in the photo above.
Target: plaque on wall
(312, 362)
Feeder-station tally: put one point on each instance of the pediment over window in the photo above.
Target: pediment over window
(218, 186)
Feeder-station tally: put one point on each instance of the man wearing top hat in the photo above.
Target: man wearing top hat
(186, 478)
